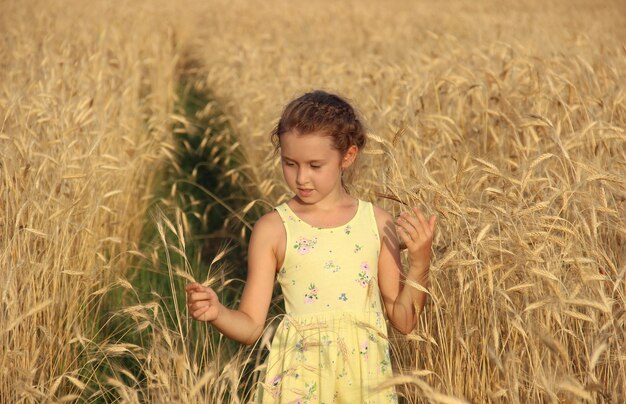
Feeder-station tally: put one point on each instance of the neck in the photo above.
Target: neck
(330, 202)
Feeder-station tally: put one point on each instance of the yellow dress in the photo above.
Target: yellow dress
(331, 346)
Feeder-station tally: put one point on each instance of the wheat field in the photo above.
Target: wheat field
(507, 120)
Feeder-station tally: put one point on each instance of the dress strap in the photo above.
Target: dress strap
(286, 216)
(282, 211)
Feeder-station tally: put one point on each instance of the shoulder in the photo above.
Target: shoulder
(385, 223)
(268, 238)
(270, 224)
(382, 216)
(387, 229)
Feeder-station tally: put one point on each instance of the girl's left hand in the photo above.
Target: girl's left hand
(417, 234)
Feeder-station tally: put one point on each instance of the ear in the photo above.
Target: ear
(349, 156)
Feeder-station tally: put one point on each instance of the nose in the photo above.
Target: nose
(302, 176)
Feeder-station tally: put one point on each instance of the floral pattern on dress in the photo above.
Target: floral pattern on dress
(309, 396)
(304, 245)
(379, 319)
(392, 397)
(274, 386)
(363, 277)
(317, 275)
(332, 266)
(300, 348)
(311, 295)
(384, 365)
(363, 348)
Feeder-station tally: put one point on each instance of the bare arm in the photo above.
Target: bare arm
(246, 323)
(401, 302)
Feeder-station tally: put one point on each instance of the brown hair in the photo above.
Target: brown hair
(319, 111)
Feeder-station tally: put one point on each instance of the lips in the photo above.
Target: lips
(305, 192)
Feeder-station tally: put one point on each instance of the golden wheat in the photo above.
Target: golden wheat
(507, 120)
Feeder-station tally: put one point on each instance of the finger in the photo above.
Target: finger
(408, 222)
(415, 223)
(192, 286)
(422, 221)
(405, 237)
(199, 312)
(200, 296)
(198, 305)
(432, 222)
(405, 227)
(205, 289)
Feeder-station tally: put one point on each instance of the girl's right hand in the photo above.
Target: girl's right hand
(202, 302)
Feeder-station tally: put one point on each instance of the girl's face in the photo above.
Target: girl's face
(312, 166)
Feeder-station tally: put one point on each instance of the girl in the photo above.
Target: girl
(335, 257)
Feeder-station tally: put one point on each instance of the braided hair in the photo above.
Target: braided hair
(319, 111)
